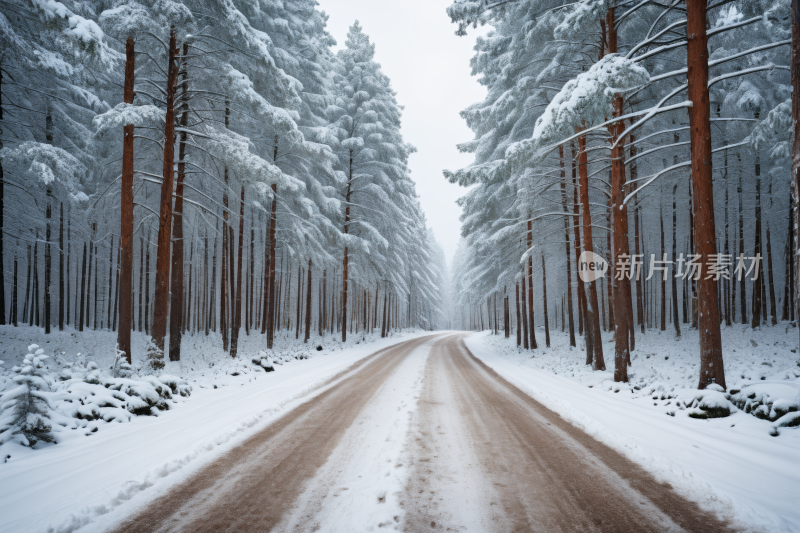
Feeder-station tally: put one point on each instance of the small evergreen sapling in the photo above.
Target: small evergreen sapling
(25, 413)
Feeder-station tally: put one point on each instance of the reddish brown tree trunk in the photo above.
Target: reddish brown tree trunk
(620, 226)
(176, 292)
(705, 240)
(236, 319)
(308, 305)
(576, 226)
(531, 321)
(125, 308)
(566, 249)
(161, 302)
(592, 319)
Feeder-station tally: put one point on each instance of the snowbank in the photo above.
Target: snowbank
(92, 481)
(731, 465)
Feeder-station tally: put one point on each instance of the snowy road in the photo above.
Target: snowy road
(422, 437)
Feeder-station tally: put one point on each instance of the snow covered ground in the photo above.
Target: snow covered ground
(96, 477)
(732, 465)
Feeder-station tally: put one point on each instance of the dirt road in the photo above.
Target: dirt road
(422, 437)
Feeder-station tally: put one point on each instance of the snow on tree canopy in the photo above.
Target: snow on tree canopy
(234, 150)
(47, 164)
(124, 114)
(583, 16)
(81, 34)
(240, 86)
(586, 99)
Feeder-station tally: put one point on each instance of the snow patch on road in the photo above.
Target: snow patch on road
(360, 486)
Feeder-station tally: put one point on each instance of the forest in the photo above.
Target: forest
(204, 168)
(657, 137)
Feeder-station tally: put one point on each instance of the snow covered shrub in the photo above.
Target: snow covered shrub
(768, 401)
(121, 368)
(25, 412)
(153, 359)
(709, 403)
(264, 362)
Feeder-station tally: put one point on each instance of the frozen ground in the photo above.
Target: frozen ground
(731, 464)
(65, 486)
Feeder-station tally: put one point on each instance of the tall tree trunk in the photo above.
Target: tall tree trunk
(567, 250)
(273, 221)
(345, 260)
(675, 318)
(299, 292)
(757, 252)
(116, 295)
(795, 72)
(161, 302)
(308, 305)
(26, 306)
(576, 225)
(544, 300)
(711, 364)
(621, 249)
(110, 283)
(61, 298)
(147, 285)
(592, 318)
(663, 277)
(742, 288)
(237, 312)
(176, 273)
(141, 282)
(83, 290)
(524, 311)
(125, 310)
(14, 290)
(531, 317)
(47, 262)
(772, 306)
(519, 322)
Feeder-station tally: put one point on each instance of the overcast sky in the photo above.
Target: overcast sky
(429, 68)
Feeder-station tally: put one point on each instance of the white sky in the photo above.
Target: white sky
(429, 68)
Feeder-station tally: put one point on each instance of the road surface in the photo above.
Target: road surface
(422, 436)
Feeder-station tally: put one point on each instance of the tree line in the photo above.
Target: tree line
(204, 167)
(631, 130)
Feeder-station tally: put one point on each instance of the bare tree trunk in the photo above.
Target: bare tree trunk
(519, 322)
(711, 364)
(742, 288)
(620, 228)
(299, 291)
(346, 258)
(176, 272)
(116, 295)
(125, 309)
(161, 303)
(141, 282)
(14, 290)
(83, 288)
(61, 298)
(544, 300)
(531, 321)
(308, 305)
(237, 313)
(567, 250)
(47, 264)
(524, 309)
(110, 283)
(663, 278)
(592, 319)
(273, 224)
(576, 224)
(675, 318)
(795, 72)
(757, 252)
